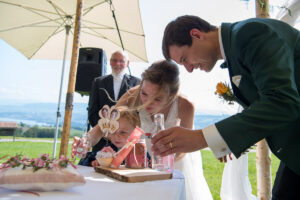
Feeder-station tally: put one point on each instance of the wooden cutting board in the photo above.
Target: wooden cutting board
(133, 175)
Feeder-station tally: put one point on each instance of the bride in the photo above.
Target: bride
(158, 93)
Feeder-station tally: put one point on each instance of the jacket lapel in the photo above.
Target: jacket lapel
(124, 86)
(110, 86)
(226, 34)
(236, 91)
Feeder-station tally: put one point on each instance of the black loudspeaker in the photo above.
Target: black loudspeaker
(91, 64)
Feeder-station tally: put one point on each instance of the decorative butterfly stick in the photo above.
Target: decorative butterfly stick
(108, 120)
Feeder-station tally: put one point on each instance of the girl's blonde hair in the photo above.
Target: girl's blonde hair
(130, 115)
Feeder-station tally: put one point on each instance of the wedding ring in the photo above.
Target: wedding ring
(171, 145)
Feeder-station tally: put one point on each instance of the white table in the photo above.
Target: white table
(99, 186)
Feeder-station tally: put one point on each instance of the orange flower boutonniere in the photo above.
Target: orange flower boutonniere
(224, 92)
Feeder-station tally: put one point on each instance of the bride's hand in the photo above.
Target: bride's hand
(177, 140)
(224, 158)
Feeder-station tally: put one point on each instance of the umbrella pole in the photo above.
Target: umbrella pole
(118, 30)
(72, 81)
(58, 115)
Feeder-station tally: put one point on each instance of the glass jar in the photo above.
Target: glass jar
(159, 163)
(137, 157)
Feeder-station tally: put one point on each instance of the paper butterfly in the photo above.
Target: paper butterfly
(108, 122)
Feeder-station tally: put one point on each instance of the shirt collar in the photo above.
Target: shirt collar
(221, 44)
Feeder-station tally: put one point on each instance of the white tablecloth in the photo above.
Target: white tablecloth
(99, 186)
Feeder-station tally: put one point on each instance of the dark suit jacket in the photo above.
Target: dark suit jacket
(99, 98)
(266, 53)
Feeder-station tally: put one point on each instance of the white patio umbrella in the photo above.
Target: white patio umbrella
(39, 29)
(36, 28)
(289, 12)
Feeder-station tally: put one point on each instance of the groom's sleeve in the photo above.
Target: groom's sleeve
(215, 141)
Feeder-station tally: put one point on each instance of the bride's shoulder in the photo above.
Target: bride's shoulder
(184, 103)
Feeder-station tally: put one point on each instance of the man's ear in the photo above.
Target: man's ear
(196, 33)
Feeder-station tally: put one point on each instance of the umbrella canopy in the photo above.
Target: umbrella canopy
(36, 28)
(289, 12)
(40, 30)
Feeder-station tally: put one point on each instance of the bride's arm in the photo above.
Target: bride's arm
(186, 113)
(95, 135)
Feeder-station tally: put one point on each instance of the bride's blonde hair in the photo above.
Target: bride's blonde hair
(165, 74)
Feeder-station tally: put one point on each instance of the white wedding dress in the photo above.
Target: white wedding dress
(190, 165)
(235, 179)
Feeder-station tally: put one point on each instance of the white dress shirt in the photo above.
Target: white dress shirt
(117, 82)
(211, 134)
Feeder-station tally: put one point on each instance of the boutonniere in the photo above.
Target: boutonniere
(108, 120)
(224, 92)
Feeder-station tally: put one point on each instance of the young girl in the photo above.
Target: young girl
(128, 120)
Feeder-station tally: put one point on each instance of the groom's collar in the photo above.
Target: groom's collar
(224, 38)
(221, 44)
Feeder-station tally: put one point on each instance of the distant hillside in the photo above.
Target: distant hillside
(45, 114)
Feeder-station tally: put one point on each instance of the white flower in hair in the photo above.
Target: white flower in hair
(108, 120)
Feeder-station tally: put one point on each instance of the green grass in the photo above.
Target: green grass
(213, 171)
(30, 149)
(212, 168)
(26, 138)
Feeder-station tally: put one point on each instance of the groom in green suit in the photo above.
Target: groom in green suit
(263, 60)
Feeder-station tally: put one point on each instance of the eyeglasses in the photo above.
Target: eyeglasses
(116, 61)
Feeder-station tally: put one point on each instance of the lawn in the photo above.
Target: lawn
(213, 171)
(212, 167)
(30, 149)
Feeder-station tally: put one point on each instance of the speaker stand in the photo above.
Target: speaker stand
(58, 115)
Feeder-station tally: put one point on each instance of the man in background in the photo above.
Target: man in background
(106, 90)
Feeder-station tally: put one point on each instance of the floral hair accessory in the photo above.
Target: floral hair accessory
(224, 92)
(108, 122)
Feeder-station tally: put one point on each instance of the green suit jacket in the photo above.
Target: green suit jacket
(265, 53)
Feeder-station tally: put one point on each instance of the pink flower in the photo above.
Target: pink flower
(4, 165)
(39, 163)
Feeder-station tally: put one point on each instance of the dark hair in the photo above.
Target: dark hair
(177, 32)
